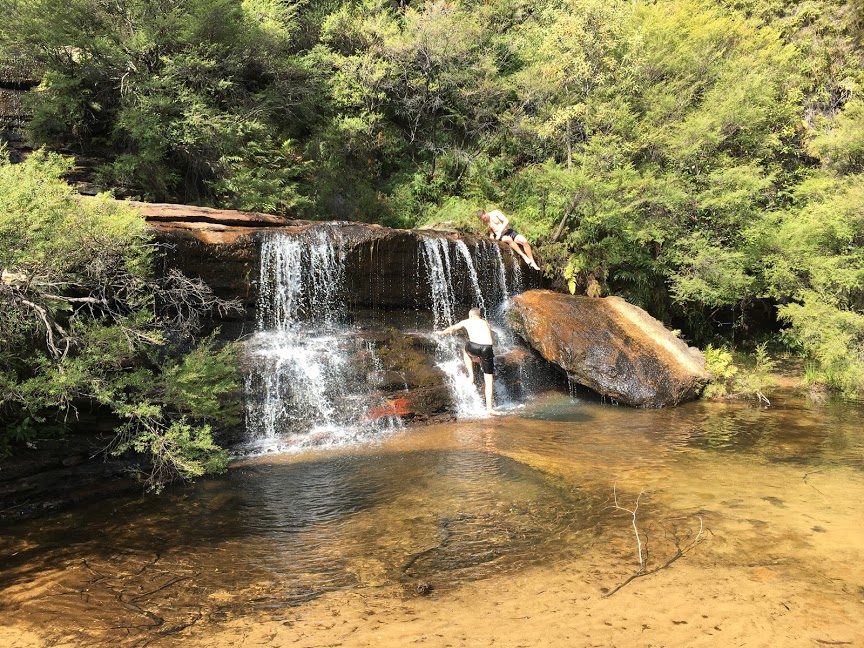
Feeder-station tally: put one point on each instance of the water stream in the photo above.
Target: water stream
(523, 498)
(312, 377)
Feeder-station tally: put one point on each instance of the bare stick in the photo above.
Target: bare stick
(679, 551)
(618, 507)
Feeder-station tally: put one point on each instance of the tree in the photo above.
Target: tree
(571, 63)
(415, 100)
(185, 99)
(85, 321)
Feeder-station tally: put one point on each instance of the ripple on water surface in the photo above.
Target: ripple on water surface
(444, 505)
(307, 527)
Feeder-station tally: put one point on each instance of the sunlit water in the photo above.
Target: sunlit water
(447, 505)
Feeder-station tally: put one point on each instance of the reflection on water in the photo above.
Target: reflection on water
(787, 432)
(441, 505)
(333, 522)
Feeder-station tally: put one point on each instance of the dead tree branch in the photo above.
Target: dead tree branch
(642, 571)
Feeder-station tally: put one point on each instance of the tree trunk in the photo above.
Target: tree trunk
(563, 223)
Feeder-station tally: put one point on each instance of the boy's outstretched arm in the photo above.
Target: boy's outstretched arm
(451, 329)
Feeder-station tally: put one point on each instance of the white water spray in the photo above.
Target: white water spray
(445, 271)
(307, 386)
(313, 379)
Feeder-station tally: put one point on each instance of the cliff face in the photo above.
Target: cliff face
(223, 248)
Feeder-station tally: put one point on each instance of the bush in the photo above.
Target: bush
(83, 319)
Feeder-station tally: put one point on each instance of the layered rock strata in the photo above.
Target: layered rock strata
(223, 248)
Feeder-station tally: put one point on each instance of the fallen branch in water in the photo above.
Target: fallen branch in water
(618, 507)
(643, 559)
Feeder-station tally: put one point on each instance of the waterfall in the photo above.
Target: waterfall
(315, 377)
(307, 361)
(444, 271)
(452, 270)
(302, 280)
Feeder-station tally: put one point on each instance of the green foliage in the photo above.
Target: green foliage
(841, 144)
(750, 378)
(459, 214)
(183, 96)
(719, 363)
(832, 337)
(756, 380)
(79, 324)
(413, 93)
(262, 176)
(178, 450)
(198, 384)
(701, 158)
(813, 260)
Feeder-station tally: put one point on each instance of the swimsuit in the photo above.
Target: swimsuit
(509, 232)
(484, 352)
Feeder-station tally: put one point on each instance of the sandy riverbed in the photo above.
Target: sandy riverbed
(779, 562)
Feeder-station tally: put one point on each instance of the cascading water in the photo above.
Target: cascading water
(313, 372)
(307, 361)
(436, 258)
(443, 268)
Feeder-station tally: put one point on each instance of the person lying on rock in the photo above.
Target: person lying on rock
(477, 349)
(498, 226)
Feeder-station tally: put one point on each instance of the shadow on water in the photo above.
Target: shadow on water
(309, 527)
(788, 432)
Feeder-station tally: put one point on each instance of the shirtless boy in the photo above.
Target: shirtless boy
(498, 226)
(477, 349)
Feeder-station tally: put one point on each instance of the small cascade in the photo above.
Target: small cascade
(302, 280)
(443, 269)
(462, 249)
(439, 267)
(307, 361)
(315, 376)
(489, 256)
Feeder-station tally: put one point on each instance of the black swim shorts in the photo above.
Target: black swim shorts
(484, 352)
(510, 232)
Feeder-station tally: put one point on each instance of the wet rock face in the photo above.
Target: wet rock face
(610, 346)
(414, 387)
(223, 247)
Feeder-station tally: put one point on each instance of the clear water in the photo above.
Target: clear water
(449, 505)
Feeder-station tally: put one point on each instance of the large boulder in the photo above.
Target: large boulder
(610, 346)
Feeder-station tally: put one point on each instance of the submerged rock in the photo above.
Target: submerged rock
(610, 346)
